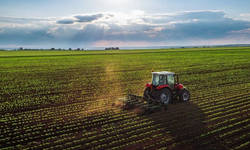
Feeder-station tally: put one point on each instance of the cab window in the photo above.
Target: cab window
(170, 79)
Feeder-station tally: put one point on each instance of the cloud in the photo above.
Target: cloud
(84, 18)
(81, 19)
(242, 32)
(207, 15)
(18, 21)
(21, 20)
(136, 27)
(245, 15)
(186, 16)
(24, 35)
(66, 21)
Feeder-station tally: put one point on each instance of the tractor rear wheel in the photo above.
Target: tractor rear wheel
(184, 95)
(164, 95)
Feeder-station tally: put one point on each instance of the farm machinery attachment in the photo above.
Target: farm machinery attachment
(164, 88)
(141, 104)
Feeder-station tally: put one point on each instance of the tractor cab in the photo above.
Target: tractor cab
(166, 79)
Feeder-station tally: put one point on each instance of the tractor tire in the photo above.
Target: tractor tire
(147, 90)
(164, 95)
(184, 95)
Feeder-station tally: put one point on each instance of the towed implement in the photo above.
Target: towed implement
(163, 88)
(141, 104)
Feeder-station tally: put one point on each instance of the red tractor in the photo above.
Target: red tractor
(165, 86)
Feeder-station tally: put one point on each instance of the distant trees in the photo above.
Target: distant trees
(47, 49)
(201, 47)
(77, 49)
(70, 49)
(112, 48)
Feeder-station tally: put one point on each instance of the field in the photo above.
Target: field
(62, 99)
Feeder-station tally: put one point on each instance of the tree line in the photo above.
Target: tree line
(112, 48)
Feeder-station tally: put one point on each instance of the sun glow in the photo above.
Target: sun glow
(116, 2)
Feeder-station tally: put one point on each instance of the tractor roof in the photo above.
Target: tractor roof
(163, 73)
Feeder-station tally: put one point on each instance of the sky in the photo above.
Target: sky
(123, 23)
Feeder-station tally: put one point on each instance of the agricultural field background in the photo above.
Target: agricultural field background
(63, 99)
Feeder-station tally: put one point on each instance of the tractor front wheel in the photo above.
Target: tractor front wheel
(146, 92)
(164, 95)
(184, 95)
